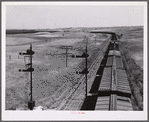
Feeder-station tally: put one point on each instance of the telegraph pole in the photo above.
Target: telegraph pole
(86, 67)
(29, 68)
(66, 55)
(64, 47)
(95, 40)
(31, 73)
(85, 71)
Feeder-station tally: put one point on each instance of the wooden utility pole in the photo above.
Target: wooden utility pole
(64, 47)
(86, 67)
(85, 71)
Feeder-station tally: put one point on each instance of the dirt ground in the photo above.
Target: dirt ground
(51, 76)
(50, 71)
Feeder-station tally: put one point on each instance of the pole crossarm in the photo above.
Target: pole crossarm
(85, 71)
(84, 55)
(63, 47)
(58, 54)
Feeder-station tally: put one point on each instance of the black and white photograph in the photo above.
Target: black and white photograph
(74, 60)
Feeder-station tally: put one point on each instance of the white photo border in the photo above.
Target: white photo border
(67, 115)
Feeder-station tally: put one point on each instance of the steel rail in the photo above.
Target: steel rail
(82, 80)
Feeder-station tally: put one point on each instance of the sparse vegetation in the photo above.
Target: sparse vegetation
(135, 76)
(51, 78)
(50, 74)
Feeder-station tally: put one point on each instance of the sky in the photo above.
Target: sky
(63, 16)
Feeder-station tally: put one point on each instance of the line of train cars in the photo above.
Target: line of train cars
(114, 91)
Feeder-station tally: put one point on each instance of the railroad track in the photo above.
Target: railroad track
(113, 93)
(108, 87)
(62, 98)
(75, 99)
(54, 100)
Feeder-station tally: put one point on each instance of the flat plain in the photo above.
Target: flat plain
(52, 80)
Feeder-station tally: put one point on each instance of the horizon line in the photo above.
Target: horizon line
(70, 27)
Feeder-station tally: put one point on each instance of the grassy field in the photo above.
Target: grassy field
(50, 72)
(132, 53)
(133, 36)
(51, 76)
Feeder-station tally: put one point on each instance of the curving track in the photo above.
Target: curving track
(75, 99)
(108, 89)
